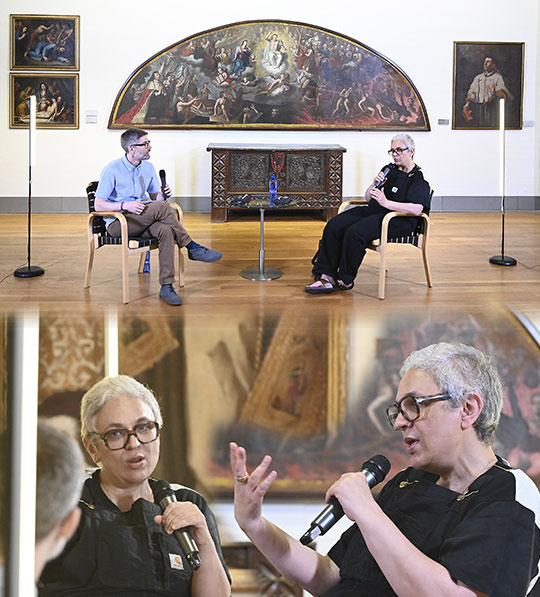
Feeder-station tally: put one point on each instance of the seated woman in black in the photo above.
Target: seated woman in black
(346, 237)
(458, 522)
(125, 544)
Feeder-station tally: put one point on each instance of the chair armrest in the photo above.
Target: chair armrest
(400, 214)
(110, 214)
(345, 205)
(178, 210)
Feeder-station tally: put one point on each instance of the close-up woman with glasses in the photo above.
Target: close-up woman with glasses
(458, 521)
(125, 542)
(399, 186)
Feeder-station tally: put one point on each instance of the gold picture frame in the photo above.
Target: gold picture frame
(483, 72)
(57, 100)
(44, 42)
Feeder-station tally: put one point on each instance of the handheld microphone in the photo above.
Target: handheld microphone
(379, 183)
(375, 470)
(163, 183)
(164, 495)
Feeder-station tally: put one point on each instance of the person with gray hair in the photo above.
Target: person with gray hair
(458, 369)
(59, 479)
(458, 521)
(130, 185)
(125, 543)
(399, 186)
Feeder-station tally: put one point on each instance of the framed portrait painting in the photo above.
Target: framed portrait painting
(484, 72)
(57, 100)
(44, 42)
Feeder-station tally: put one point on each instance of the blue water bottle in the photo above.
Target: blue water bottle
(146, 267)
(272, 191)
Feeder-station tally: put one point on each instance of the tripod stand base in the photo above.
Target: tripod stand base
(502, 260)
(255, 274)
(28, 271)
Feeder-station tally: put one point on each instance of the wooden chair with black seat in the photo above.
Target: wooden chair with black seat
(419, 238)
(98, 237)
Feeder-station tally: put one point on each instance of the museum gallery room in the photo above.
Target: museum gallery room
(330, 188)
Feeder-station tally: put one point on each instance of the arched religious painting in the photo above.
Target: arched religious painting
(268, 75)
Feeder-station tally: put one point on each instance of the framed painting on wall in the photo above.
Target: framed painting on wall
(483, 73)
(57, 100)
(44, 42)
(269, 75)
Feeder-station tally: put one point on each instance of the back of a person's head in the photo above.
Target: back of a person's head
(59, 477)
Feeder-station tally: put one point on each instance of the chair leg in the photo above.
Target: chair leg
(382, 274)
(180, 268)
(125, 284)
(426, 266)
(90, 263)
(141, 263)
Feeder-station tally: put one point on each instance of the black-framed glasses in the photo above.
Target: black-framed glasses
(397, 150)
(117, 439)
(409, 406)
(145, 144)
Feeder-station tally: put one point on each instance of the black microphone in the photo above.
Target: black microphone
(377, 185)
(375, 470)
(164, 495)
(163, 183)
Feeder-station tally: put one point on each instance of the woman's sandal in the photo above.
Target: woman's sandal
(342, 286)
(320, 287)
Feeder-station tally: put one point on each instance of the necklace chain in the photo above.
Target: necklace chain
(466, 492)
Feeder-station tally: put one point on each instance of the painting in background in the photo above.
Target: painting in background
(274, 379)
(57, 100)
(483, 73)
(517, 358)
(269, 74)
(281, 383)
(44, 42)
(308, 462)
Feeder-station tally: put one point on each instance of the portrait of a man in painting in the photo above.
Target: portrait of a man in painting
(484, 73)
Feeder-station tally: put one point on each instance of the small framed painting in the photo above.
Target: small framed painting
(44, 42)
(57, 100)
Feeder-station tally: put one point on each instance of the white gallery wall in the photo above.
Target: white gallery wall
(116, 37)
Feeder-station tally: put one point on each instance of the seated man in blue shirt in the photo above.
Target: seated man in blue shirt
(123, 186)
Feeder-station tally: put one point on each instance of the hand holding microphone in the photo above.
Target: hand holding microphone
(164, 495)
(165, 189)
(375, 470)
(379, 183)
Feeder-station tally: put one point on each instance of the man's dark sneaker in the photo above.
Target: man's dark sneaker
(168, 294)
(200, 253)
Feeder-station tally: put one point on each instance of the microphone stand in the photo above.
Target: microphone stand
(30, 271)
(502, 259)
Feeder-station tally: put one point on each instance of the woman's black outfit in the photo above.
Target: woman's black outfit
(124, 553)
(487, 537)
(346, 236)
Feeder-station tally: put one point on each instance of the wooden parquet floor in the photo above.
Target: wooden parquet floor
(460, 247)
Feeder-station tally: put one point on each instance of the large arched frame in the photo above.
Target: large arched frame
(288, 75)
